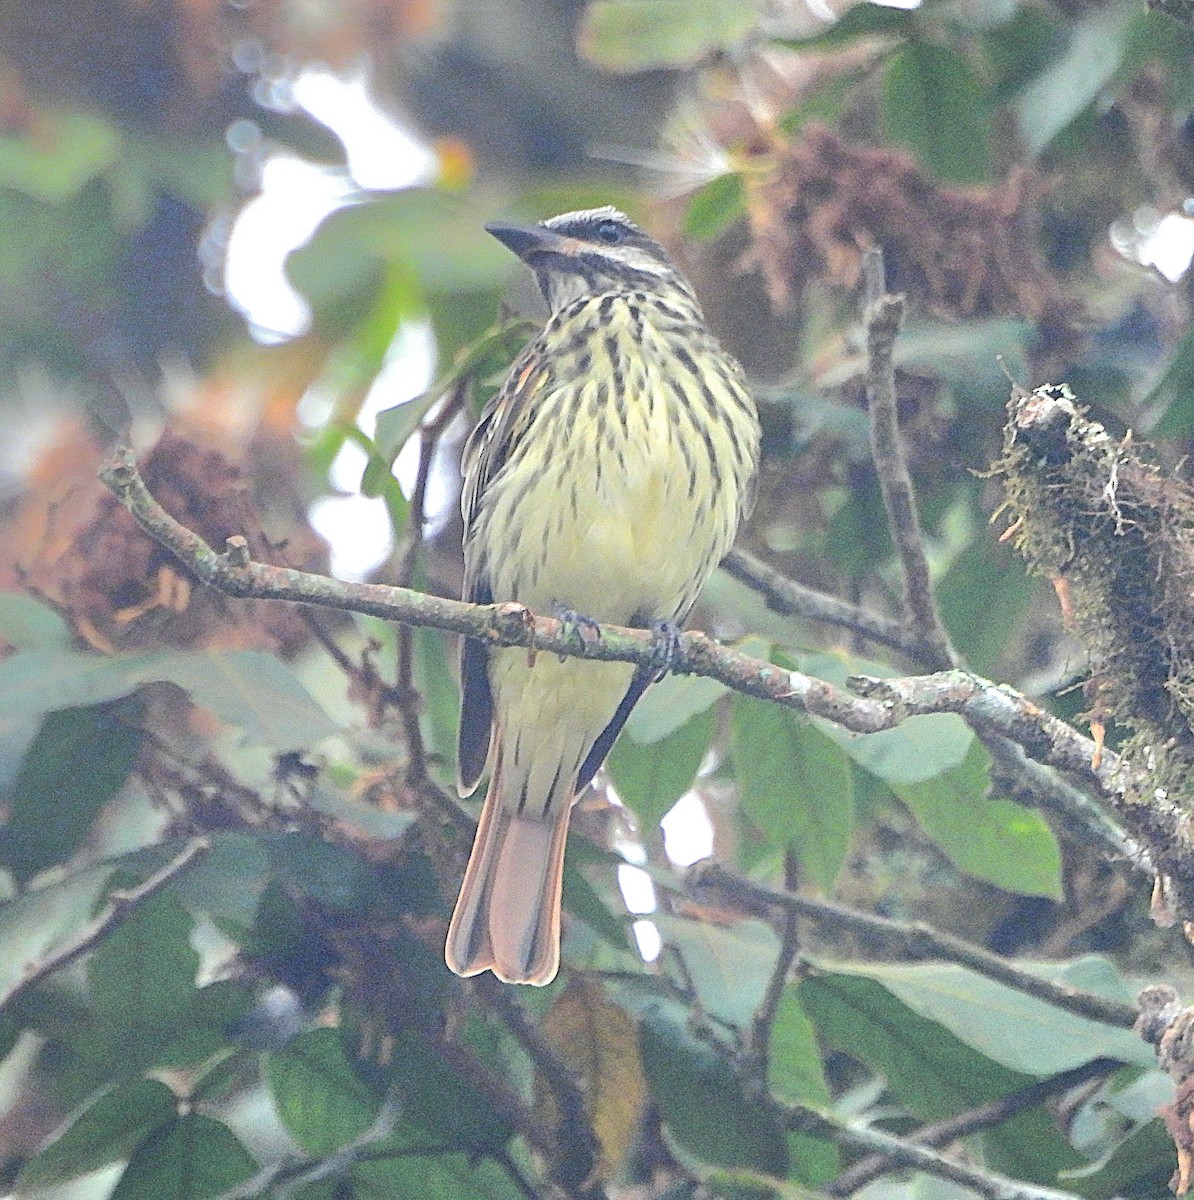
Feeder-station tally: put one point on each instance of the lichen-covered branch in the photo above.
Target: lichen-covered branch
(1115, 534)
(874, 704)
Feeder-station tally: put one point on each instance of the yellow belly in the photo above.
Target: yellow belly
(610, 521)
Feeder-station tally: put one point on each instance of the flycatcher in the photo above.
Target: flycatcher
(605, 481)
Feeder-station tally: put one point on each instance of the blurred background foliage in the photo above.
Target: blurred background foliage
(250, 236)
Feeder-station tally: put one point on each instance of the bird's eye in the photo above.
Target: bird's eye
(610, 232)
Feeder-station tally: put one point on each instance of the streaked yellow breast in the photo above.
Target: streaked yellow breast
(629, 476)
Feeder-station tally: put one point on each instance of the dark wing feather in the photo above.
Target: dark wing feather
(476, 711)
(602, 746)
(485, 454)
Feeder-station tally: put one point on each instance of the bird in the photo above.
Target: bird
(604, 482)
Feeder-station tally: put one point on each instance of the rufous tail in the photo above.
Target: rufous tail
(507, 919)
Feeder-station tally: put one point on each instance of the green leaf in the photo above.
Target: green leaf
(256, 692)
(433, 1177)
(984, 597)
(192, 1158)
(1152, 37)
(933, 103)
(864, 20)
(729, 967)
(28, 624)
(705, 1103)
(1175, 390)
(396, 425)
(582, 900)
(331, 875)
(1140, 1164)
(795, 1075)
(438, 1100)
(248, 688)
(1016, 50)
(643, 35)
(105, 1132)
(34, 922)
(441, 699)
(670, 703)
(1074, 79)
(930, 1070)
(216, 1011)
(378, 480)
(795, 785)
(433, 236)
(317, 1092)
(78, 761)
(794, 1071)
(995, 840)
(858, 539)
(919, 749)
(142, 982)
(715, 206)
(1008, 1026)
(227, 883)
(650, 778)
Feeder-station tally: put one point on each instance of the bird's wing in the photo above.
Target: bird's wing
(485, 453)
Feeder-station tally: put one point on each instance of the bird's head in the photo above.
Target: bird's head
(590, 252)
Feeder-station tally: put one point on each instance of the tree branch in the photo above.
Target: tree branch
(1034, 785)
(876, 704)
(883, 315)
(900, 1153)
(791, 599)
(121, 904)
(879, 703)
(578, 1147)
(914, 938)
(409, 701)
(759, 1042)
(985, 1116)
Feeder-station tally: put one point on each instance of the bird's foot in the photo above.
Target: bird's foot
(585, 629)
(665, 647)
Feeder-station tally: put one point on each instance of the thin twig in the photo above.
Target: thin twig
(913, 938)
(329, 643)
(789, 947)
(1037, 787)
(900, 1153)
(409, 702)
(789, 598)
(578, 1143)
(120, 905)
(974, 1120)
(505, 1160)
(883, 316)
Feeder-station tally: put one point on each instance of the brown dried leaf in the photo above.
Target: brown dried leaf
(598, 1042)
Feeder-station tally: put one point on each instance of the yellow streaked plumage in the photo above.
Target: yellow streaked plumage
(608, 479)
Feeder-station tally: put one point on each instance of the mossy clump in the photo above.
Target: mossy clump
(1116, 533)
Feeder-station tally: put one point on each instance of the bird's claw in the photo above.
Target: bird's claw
(585, 629)
(665, 647)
